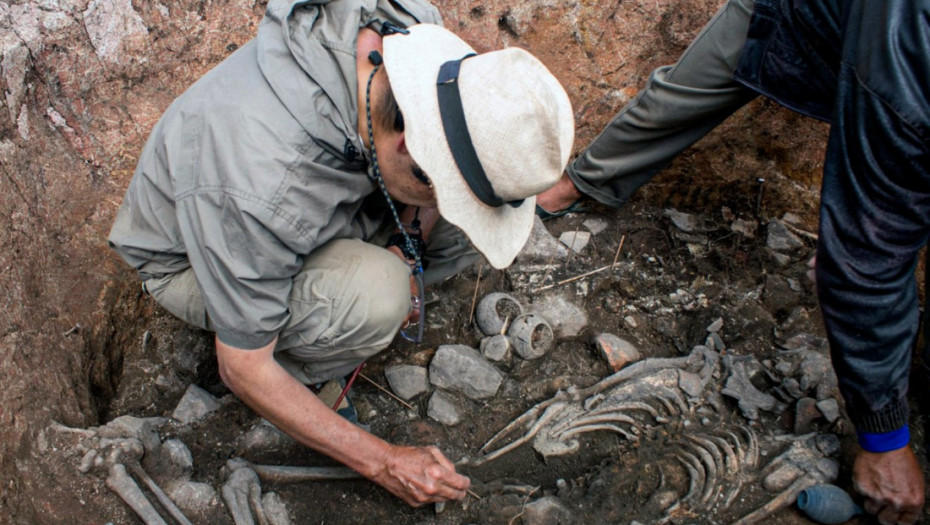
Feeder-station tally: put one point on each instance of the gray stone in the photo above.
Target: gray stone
(496, 348)
(829, 408)
(191, 497)
(407, 381)
(690, 383)
(781, 239)
(575, 240)
(541, 246)
(716, 325)
(816, 372)
(749, 398)
(792, 387)
(546, 511)
(595, 226)
(195, 405)
(687, 222)
(791, 218)
(462, 369)
(109, 24)
(565, 317)
(442, 408)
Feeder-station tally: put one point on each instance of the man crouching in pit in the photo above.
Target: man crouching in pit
(291, 199)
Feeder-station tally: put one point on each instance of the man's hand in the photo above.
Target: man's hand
(420, 475)
(892, 483)
(416, 475)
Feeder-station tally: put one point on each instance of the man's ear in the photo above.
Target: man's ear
(402, 143)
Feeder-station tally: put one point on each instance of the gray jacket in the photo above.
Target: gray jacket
(258, 164)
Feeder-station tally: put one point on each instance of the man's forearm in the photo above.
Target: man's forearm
(256, 378)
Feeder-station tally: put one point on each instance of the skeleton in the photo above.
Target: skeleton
(120, 457)
(666, 394)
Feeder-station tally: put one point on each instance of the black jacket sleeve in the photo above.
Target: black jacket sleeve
(875, 206)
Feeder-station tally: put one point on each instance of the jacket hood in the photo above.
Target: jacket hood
(306, 51)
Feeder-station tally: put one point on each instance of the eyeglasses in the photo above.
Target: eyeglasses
(413, 332)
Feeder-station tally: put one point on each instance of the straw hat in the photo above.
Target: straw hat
(514, 124)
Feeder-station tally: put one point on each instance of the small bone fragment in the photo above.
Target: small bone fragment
(750, 398)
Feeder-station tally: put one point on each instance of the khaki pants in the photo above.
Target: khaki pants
(347, 303)
(679, 105)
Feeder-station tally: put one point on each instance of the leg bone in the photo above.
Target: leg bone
(123, 485)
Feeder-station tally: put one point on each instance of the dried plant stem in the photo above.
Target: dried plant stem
(386, 391)
(617, 255)
(586, 274)
(474, 297)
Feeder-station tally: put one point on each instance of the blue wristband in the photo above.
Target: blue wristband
(885, 441)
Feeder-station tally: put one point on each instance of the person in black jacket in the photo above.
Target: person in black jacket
(865, 68)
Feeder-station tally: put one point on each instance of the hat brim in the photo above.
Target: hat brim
(412, 62)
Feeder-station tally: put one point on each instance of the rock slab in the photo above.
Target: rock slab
(461, 368)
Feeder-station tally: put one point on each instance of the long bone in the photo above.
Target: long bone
(785, 498)
(163, 498)
(289, 474)
(120, 482)
(126, 452)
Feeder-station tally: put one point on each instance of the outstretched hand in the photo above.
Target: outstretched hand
(892, 483)
(421, 475)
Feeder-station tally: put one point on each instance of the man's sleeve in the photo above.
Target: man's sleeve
(875, 209)
(243, 269)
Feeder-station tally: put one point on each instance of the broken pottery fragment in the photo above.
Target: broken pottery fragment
(575, 240)
(615, 351)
